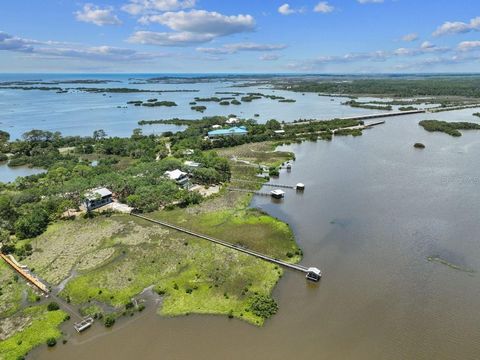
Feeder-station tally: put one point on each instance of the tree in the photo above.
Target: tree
(109, 320)
(99, 135)
(31, 224)
(4, 136)
(51, 342)
(53, 306)
(273, 124)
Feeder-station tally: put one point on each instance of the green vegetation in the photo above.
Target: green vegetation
(450, 128)
(40, 326)
(476, 114)
(159, 103)
(467, 86)
(419, 146)
(442, 261)
(264, 306)
(407, 108)
(356, 104)
(199, 108)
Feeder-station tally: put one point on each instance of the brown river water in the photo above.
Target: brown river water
(373, 211)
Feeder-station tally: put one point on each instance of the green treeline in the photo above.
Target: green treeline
(450, 128)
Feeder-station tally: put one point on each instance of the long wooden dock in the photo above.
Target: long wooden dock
(265, 184)
(25, 273)
(285, 264)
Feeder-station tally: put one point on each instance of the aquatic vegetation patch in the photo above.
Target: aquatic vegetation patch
(450, 128)
(439, 260)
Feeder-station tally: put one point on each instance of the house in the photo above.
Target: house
(97, 198)
(180, 177)
(232, 120)
(192, 164)
(188, 152)
(279, 132)
(313, 274)
(216, 126)
(233, 131)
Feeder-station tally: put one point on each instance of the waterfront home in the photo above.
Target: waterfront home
(192, 164)
(279, 132)
(232, 120)
(216, 126)
(180, 177)
(97, 198)
(233, 131)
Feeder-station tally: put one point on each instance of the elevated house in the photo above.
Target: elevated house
(180, 177)
(97, 198)
(233, 131)
(232, 120)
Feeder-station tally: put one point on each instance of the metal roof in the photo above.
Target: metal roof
(100, 192)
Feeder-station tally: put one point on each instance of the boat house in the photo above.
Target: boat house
(314, 274)
(97, 198)
(180, 177)
(233, 131)
(277, 194)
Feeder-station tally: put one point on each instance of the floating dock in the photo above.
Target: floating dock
(312, 273)
(84, 324)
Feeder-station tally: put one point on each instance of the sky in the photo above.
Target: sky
(248, 36)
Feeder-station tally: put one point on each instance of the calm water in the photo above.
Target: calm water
(8, 174)
(374, 209)
(80, 113)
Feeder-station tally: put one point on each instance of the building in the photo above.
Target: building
(180, 177)
(188, 152)
(232, 120)
(97, 198)
(314, 274)
(192, 164)
(216, 126)
(279, 132)
(233, 131)
(277, 194)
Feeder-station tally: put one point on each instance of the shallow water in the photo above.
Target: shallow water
(9, 174)
(373, 211)
(80, 113)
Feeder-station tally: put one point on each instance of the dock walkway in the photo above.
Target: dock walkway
(285, 264)
(265, 184)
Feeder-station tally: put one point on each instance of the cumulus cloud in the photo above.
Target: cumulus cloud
(98, 16)
(285, 9)
(53, 49)
(191, 27)
(169, 38)
(469, 45)
(458, 27)
(138, 7)
(234, 48)
(323, 7)
(410, 37)
(269, 57)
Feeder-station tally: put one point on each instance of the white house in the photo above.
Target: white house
(191, 164)
(232, 120)
(180, 177)
(97, 198)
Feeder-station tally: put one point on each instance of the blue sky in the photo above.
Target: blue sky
(334, 36)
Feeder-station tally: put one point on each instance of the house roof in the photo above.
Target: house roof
(175, 174)
(278, 192)
(229, 131)
(100, 192)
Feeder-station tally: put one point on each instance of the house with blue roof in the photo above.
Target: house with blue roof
(233, 131)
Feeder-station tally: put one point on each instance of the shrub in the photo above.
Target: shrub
(109, 321)
(263, 306)
(51, 342)
(53, 306)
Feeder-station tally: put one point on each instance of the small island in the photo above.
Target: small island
(419, 145)
(450, 128)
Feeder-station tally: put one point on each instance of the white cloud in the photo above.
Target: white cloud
(191, 27)
(426, 45)
(269, 57)
(370, 1)
(169, 38)
(458, 27)
(234, 48)
(98, 16)
(469, 45)
(410, 37)
(203, 22)
(53, 49)
(323, 7)
(138, 7)
(285, 9)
